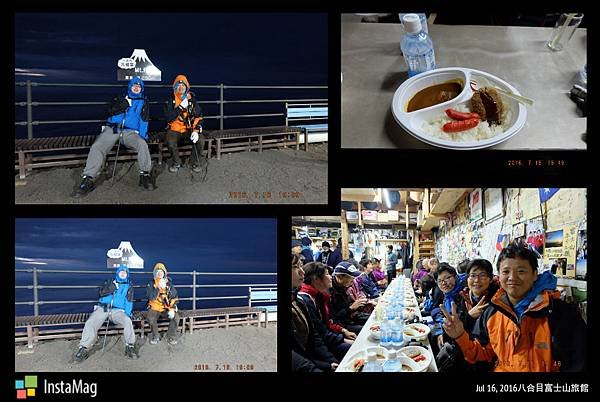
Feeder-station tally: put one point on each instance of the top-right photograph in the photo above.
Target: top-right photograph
(431, 80)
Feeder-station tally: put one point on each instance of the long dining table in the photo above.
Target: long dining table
(364, 339)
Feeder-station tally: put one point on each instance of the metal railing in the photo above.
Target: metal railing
(29, 103)
(36, 287)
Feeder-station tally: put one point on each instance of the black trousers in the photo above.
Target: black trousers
(174, 138)
(391, 275)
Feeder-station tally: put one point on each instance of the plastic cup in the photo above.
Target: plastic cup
(564, 30)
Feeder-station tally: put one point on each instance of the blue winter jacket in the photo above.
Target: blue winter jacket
(121, 298)
(307, 253)
(134, 117)
(369, 286)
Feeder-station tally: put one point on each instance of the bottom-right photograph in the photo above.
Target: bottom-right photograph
(442, 280)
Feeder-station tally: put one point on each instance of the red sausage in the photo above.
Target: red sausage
(455, 126)
(456, 115)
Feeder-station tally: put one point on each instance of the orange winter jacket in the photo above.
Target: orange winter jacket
(187, 119)
(550, 336)
(161, 299)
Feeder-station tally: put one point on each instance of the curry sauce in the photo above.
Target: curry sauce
(434, 94)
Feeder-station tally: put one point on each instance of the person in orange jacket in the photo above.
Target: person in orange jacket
(184, 120)
(526, 327)
(162, 302)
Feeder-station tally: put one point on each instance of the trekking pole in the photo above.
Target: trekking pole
(117, 156)
(107, 322)
(198, 161)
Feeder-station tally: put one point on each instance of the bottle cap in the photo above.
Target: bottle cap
(412, 23)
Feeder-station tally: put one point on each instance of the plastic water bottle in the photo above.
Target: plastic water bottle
(372, 365)
(397, 337)
(422, 18)
(392, 365)
(416, 46)
(583, 76)
(385, 336)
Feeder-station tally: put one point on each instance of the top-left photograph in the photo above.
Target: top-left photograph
(171, 108)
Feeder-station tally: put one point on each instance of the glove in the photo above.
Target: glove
(162, 283)
(194, 137)
(128, 99)
(116, 284)
(171, 314)
(184, 104)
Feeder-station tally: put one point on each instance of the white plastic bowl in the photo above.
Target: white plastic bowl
(409, 329)
(412, 122)
(410, 350)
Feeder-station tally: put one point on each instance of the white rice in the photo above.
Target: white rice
(481, 132)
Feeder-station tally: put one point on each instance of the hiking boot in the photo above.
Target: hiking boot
(81, 354)
(130, 352)
(172, 341)
(174, 168)
(155, 340)
(84, 188)
(147, 181)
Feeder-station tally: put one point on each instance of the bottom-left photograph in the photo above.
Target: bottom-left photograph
(145, 295)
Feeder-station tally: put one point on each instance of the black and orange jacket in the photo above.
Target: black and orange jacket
(550, 336)
(161, 299)
(179, 119)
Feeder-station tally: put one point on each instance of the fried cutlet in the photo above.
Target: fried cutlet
(486, 102)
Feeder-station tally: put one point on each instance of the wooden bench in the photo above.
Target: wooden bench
(73, 151)
(226, 316)
(248, 139)
(307, 114)
(69, 326)
(60, 326)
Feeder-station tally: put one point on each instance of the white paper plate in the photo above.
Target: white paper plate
(412, 122)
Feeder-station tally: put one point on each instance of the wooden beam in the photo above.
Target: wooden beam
(344, 245)
(448, 199)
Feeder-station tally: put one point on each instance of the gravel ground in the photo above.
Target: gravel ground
(282, 176)
(247, 348)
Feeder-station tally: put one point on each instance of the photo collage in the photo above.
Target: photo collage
(438, 219)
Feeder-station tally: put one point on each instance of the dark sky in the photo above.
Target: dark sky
(207, 245)
(210, 48)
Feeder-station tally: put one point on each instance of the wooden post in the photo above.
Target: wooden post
(218, 148)
(22, 168)
(306, 141)
(260, 143)
(344, 245)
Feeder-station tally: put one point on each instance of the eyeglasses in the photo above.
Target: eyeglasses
(446, 280)
(479, 276)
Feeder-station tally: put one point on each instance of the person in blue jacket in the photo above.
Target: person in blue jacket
(307, 250)
(368, 284)
(115, 304)
(127, 122)
(451, 284)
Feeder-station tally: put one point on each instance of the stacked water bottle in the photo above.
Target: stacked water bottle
(392, 324)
